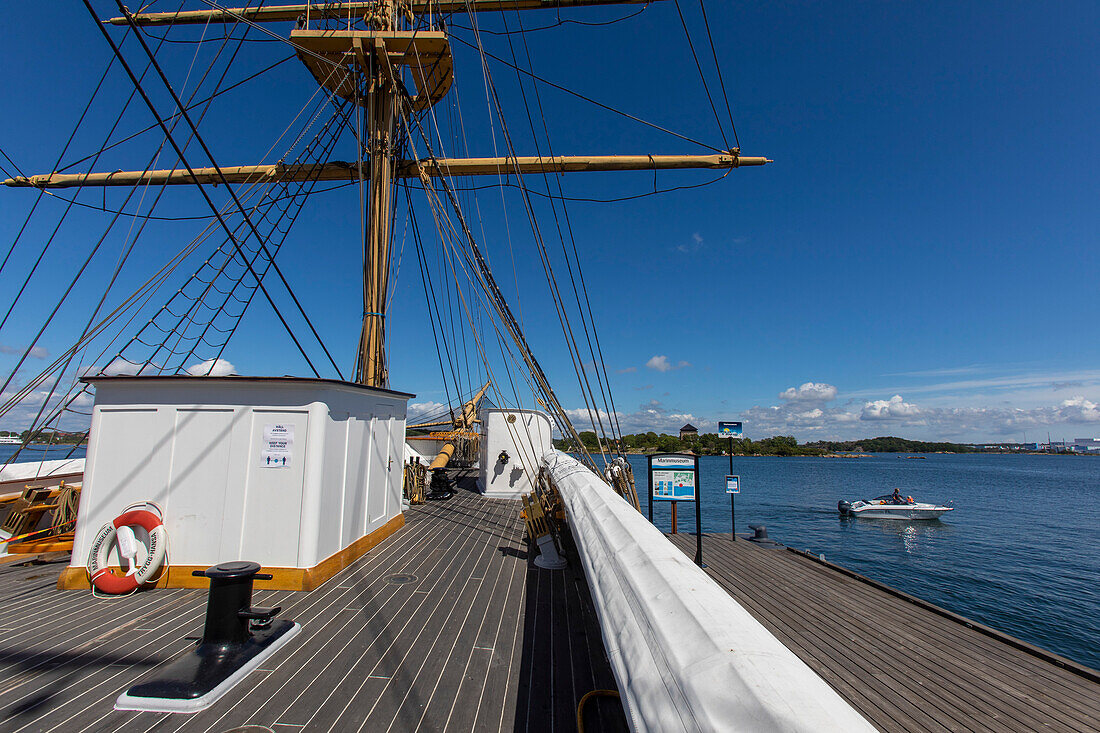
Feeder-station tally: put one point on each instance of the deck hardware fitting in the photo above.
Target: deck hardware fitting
(237, 638)
(760, 536)
(541, 531)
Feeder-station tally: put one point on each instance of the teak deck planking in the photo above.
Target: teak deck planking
(905, 665)
(480, 640)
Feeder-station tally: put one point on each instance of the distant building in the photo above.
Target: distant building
(689, 432)
(1080, 445)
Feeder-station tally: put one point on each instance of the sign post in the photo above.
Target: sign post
(675, 477)
(731, 430)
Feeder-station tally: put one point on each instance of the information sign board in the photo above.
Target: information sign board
(729, 430)
(733, 484)
(672, 477)
(277, 446)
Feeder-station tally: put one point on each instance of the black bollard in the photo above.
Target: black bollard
(229, 611)
(760, 536)
(236, 638)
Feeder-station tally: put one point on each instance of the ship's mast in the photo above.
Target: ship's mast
(381, 103)
(365, 66)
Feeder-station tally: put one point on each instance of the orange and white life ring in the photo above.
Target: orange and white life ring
(118, 532)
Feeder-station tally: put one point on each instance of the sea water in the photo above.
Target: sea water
(1020, 552)
(35, 453)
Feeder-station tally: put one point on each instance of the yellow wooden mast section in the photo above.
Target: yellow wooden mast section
(462, 422)
(331, 56)
(336, 171)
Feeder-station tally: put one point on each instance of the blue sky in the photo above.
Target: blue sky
(920, 259)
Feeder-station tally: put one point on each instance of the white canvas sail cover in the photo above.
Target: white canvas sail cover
(687, 656)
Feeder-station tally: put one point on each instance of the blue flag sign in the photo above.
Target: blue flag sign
(729, 430)
(672, 478)
(733, 484)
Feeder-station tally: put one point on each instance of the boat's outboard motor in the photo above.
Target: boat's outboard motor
(845, 507)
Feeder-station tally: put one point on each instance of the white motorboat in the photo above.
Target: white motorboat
(888, 507)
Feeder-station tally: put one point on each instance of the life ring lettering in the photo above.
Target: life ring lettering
(103, 578)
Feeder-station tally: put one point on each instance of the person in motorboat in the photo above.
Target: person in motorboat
(897, 498)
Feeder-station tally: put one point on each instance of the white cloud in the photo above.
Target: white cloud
(628, 370)
(36, 352)
(652, 415)
(582, 418)
(809, 392)
(1059, 386)
(810, 412)
(944, 372)
(1039, 380)
(892, 409)
(695, 244)
(1080, 409)
(660, 363)
(24, 412)
(212, 368)
(419, 410)
(120, 367)
(965, 424)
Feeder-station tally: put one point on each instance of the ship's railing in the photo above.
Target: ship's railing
(15, 476)
(685, 654)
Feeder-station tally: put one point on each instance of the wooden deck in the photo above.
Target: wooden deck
(904, 664)
(445, 626)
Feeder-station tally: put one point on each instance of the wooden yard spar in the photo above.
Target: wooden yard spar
(362, 66)
(462, 426)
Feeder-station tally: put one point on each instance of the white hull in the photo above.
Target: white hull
(885, 508)
(916, 511)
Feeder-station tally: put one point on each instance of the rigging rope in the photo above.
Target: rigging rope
(559, 303)
(578, 95)
(175, 116)
(702, 76)
(201, 338)
(718, 68)
(179, 152)
(590, 334)
(496, 297)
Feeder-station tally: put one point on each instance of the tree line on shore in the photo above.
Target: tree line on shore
(710, 444)
(55, 437)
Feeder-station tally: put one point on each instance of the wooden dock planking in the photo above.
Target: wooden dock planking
(979, 664)
(975, 677)
(904, 666)
(464, 647)
(913, 658)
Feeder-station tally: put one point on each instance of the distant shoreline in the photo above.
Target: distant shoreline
(872, 455)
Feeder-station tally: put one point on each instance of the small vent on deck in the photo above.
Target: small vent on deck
(401, 578)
